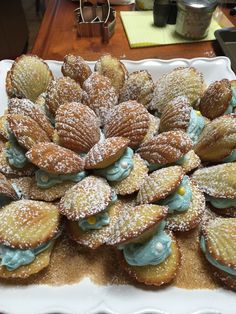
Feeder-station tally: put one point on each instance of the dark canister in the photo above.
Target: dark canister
(194, 17)
(161, 10)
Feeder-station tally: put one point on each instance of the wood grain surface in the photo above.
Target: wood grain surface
(58, 36)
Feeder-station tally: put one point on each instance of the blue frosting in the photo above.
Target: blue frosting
(196, 125)
(232, 103)
(231, 157)
(119, 170)
(221, 202)
(14, 258)
(180, 200)
(99, 220)
(46, 180)
(213, 261)
(15, 153)
(153, 252)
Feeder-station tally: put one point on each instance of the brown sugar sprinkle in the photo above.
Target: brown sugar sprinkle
(194, 272)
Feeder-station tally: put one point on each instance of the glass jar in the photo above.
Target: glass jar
(194, 18)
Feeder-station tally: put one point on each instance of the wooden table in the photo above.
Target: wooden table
(58, 37)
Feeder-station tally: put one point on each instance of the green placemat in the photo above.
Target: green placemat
(141, 31)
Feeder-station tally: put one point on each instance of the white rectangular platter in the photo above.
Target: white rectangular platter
(88, 298)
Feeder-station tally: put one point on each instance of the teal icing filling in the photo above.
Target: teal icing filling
(14, 258)
(153, 167)
(120, 169)
(15, 153)
(221, 202)
(46, 180)
(215, 262)
(196, 125)
(153, 252)
(231, 157)
(99, 220)
(232, 103)
(179, 200)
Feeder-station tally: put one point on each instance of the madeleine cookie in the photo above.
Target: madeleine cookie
(88, 197)
(105, 153)
(139, 86)
(217, 99)
(178, 115)
(77, 127)
(219, 185)
(160, 184)
(95, 237)
(28, 77)
(112, 68)
(182, 81)
(25, 247)
(165, 148)
(218, 245)
(28, 108)
(4, 133)
(26, 130)
(76, 68)
(60, 91)
(134, 180)
(55, 159)
(128, 119)
(217, 143)
(187, 220)
(99, 95)
(153, 128)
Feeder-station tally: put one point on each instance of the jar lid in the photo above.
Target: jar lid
(198, 5)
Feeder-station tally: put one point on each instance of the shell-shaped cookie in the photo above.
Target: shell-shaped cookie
(153, 128)
(191, 161)
(27, 224)
(129, 119)
(50, 194)
(187, 220)
(40, 262)
(155, 275)
(29, 76)
(166, 147)
(139, 86)
(6, 189)
(135, 222)
(160, 184)
(55, 159)
(26, 130)
(88, 197)
(76, 68)
(176, 115)
(4, 134)
(135, 179)
(112, 68)
(215, 99)
(182, 81)
(60, 91)
(218, 139)
(9, 171)
(218, 181)
(99, 95)
(77, 127)
(28, 108)
(219, 235)
(95, 238)
(105, 153)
